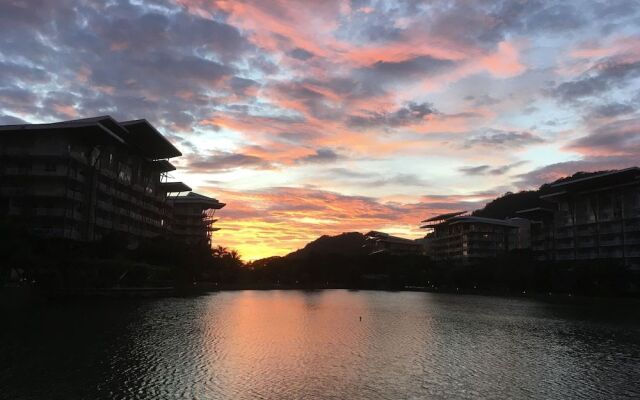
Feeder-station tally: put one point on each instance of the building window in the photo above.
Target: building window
(50, 167)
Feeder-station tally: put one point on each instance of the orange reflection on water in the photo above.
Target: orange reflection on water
(282, 343)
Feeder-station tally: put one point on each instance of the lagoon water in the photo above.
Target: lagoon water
(295, 344)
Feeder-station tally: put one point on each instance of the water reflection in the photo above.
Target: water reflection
(287, 344)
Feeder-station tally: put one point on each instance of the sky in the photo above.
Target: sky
(322, 117)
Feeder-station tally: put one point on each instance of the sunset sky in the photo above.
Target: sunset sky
(322, 117)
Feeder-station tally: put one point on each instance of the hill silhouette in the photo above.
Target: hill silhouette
(348, 243)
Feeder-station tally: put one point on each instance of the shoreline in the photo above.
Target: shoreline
(25, 295)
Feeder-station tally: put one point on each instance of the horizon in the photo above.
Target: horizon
(340, 117)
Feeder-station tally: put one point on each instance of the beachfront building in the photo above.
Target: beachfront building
(86, 178)
(597, 217)
(541, 231)
(380, 242)
(193, 217)
(464, 238)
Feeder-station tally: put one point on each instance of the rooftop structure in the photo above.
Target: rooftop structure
(85, 178)
(380, 242)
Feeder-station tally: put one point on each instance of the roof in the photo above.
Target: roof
(444, 216)
(535, 210)
(198, 199)
(472, 219)
(105, 124)
(137, 133)
(151, 142)
(385, 237)
(174, 187)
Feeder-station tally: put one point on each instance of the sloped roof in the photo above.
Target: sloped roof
(147, 138)
(105, 123)
(197, 199)
(444, 216)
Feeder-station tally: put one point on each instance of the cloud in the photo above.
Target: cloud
(502, 138)
(411, 68)
(277, 220)
(620, 137)
(477, 170)
(410, 113)
(603, 77)
(610, 110)
(11, 120)
(320, 156)
(219, 161)
(301, 54)
(489, 170)
(402, 180)
(155, 61)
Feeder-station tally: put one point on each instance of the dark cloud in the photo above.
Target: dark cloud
(421, 66)
(301, 54)
(374, 179)
(616, 138)
(400, 180)
(555, 18)
(323, 155)
(482, 100)
(11, 120)
(477, 170)
(131, 60)
(13, 73)
(314, 102)
(501, 138)
(489, 170)
(219, 161)
(598, 80)
(349, 173)
(17, 99)
(240, 85)
(484, 24)
(410, 113)
(296, 137)
(611, 110)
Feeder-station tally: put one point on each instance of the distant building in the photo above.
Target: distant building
(380, 242)
(86, 178)
(465, 239)
(597, 217)
(193, 217)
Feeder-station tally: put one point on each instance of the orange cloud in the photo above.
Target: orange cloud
(279, 220)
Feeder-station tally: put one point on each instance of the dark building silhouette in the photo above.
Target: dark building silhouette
(193, 217)
(86, 178)
(465, 239)
(380, 242)
(595, 217)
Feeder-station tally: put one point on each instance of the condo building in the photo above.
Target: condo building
(193, 217)
(465, 238)
(380, 242)
(86, 178)
(596, 217)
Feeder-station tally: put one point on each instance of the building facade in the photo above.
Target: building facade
(596, 217)
(465, 239)
(193, 217)
(84, 179)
